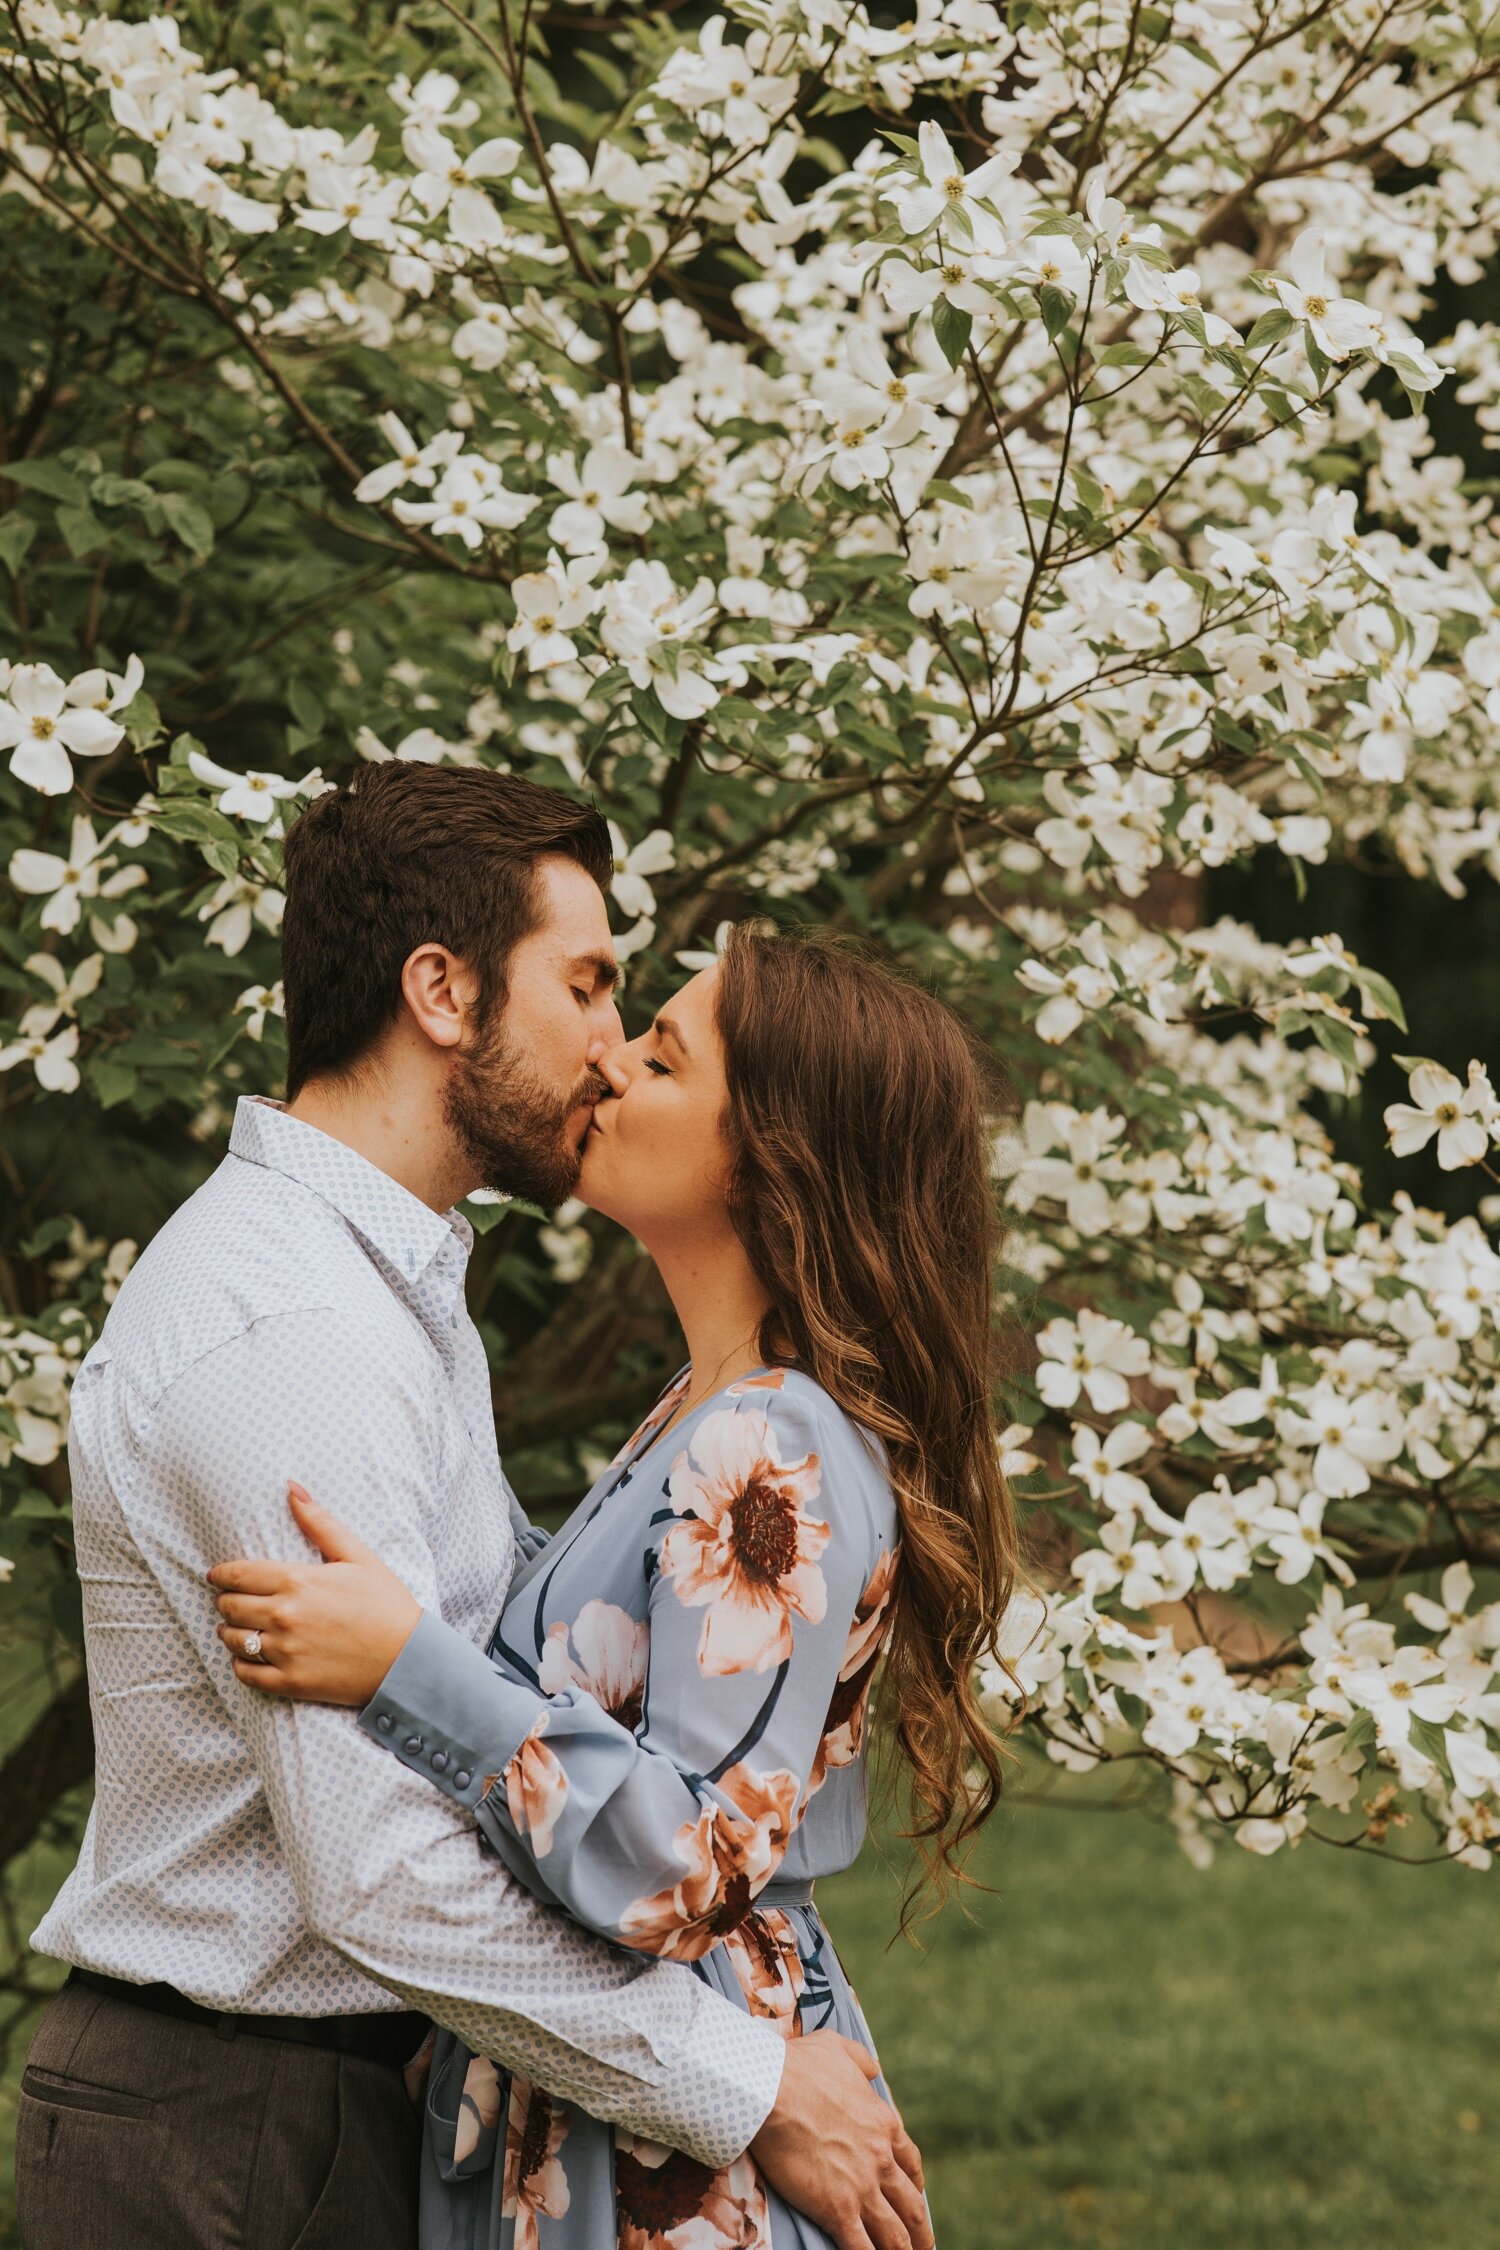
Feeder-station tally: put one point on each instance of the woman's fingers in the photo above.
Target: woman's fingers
(334, 1541)
(242, 1576)
(250, 1610)
(262, 1676)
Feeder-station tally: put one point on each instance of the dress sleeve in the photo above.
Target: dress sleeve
(772, 1571)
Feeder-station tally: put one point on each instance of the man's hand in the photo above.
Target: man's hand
(836, 2151)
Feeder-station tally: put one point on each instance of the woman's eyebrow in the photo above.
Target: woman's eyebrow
(665, 1028)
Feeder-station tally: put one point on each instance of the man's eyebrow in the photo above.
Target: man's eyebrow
(602, 968)
(665, 1028)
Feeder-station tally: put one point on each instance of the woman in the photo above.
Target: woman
(668, 1737)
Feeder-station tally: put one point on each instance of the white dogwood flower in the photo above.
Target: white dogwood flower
(39, 726)
(66, 882)
(470, 499)
(550, 604)
(599, 495)
(1439, 1104)
(1350, 1436)
(51, 1058)
(250, 796)
(413, 463)
(256, 1003)
(943, 191)
(1094, 1354)
(653, 855)
(1339, 324)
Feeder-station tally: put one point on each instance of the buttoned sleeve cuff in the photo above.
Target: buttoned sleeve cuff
(446, 1712)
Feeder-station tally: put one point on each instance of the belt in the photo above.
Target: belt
(390, 2036)
(788, 1893)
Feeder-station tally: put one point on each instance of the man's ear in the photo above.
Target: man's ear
(440, 991)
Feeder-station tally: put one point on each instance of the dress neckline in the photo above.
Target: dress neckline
(652, 1431)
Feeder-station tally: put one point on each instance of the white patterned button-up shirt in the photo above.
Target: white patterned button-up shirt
(303, 1316)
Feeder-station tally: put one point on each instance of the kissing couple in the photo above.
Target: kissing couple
(447, 1883)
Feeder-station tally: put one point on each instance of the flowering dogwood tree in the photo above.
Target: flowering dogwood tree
(950, 478)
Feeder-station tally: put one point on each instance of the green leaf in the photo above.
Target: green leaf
(1359, 1734)
(1316, 358)
(16, 534)
(110, 491)
(1270, 328)
(191, 522)
(941, 489)
(1334, 1038)
(1432, 1741)
(49, 477)
(1057, 306)
(81, 529)
(113, 1082)
(306, 707)
(952, 329)
(1382, 993)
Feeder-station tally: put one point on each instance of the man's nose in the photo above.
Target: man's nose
(613, 1067)
(608, 1032)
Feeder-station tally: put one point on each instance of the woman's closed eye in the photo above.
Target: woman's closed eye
(660, 1068)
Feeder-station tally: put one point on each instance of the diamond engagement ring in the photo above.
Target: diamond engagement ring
(252, 1650)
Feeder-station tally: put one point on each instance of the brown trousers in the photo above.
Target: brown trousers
(139, 2132)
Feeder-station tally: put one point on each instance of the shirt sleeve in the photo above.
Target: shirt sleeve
(773, 1573)
(384, 1869)
(530, 1537)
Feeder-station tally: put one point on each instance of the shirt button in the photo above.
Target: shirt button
(462, 1778)
(385, 1722)
(414, 1746)
(440, 1761)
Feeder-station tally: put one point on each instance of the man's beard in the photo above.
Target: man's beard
(511, 1127)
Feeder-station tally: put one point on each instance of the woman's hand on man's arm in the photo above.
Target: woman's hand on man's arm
(330, 1630)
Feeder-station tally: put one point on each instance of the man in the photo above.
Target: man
(266, 1906)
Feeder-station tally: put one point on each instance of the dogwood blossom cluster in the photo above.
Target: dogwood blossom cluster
(958, 539)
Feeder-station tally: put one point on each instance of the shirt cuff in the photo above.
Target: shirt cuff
(446, 1713)
(713, 2109)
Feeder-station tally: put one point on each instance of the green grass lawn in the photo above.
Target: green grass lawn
(1119, 2053)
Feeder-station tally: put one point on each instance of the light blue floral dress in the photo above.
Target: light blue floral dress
(667, 1742)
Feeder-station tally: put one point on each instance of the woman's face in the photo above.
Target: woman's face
(654, 1158)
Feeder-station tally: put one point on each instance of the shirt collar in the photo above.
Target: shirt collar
(406, 1232)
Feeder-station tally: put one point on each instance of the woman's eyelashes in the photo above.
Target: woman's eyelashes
(660, 1068)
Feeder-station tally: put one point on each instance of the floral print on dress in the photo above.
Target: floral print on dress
(707, 1626)
(661, 1412)
(536, 1789)
(844, 1728)
(664, 2201)
(745, 1550)
(730, 1856)
(607, 1659)
(765, 1952)
(535, 2186)
(479, 2108)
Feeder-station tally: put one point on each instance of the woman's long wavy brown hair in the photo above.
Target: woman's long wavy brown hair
(857, 1124)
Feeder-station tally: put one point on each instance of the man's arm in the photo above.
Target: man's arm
(385, 1870)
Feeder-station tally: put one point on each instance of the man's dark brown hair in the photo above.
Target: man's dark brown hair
(411, 855)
